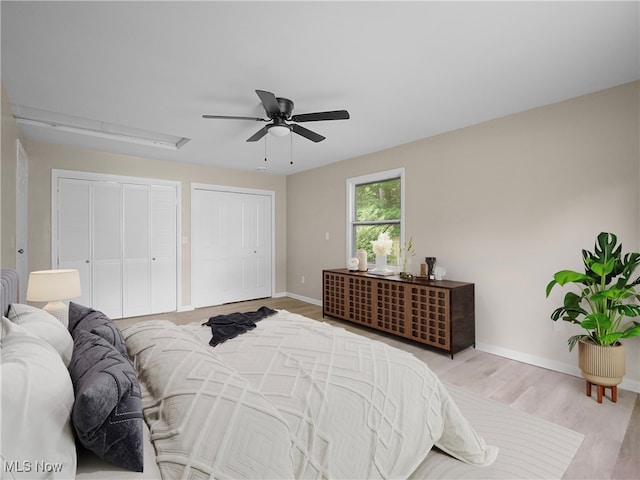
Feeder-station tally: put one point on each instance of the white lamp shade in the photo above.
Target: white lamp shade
(50, 285)
(279, 130)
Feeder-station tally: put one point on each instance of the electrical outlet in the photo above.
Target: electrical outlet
(326, 235)
(302, 279)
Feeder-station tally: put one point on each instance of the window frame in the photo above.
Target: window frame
(352, 183)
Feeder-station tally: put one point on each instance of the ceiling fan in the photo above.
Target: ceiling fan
(279, 110)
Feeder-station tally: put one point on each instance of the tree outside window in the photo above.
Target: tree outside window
(378, 209)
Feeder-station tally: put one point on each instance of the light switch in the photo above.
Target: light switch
(326, 235)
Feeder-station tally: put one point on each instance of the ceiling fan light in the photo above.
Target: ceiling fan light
(279, 130)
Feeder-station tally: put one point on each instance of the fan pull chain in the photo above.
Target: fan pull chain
(265, 148)
(291, 150)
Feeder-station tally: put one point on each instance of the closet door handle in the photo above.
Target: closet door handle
(21, 251)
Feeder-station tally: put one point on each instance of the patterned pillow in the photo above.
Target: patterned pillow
(85, 318)
(107, 413)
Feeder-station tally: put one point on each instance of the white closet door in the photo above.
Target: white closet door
(255, 252)
(107, 248)
(136, 259)
(74, 232)
(163, 249)
(232, 247)
(121, 234)
(204, 270)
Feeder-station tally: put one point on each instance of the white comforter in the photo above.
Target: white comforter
(292, 398)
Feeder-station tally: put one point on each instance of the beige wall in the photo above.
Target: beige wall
(503, 204)
(45, 157)
(10, 134)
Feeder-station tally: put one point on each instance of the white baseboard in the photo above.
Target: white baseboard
(310, 300)
(631, 385)
(185, 308)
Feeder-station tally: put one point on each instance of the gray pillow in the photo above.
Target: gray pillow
(107, 413)
(85, 318)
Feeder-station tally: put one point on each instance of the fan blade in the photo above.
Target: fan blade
(258, 135)
(228, 117)
(319, 116)
(306, 133)
(269, 102)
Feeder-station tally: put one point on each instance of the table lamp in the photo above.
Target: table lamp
(53, 286)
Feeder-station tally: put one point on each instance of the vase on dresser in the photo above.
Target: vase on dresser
(381, 266)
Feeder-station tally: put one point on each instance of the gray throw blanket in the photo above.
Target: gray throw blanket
(224, 327)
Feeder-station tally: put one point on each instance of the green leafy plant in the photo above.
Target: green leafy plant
(606, 294)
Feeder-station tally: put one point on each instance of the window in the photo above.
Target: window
(375, 206)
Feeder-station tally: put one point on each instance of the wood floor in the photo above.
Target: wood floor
(611, 447)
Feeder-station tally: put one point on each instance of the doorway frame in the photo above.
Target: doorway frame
(22, 220)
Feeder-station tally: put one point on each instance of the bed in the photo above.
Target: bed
(289, 398)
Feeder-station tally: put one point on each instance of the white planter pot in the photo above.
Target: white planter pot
(601, 365)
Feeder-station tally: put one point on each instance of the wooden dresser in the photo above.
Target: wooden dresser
(438, 313)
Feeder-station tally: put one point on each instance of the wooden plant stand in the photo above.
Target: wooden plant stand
(601, 391)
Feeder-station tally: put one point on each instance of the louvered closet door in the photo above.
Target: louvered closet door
(106, 238)
(136, 261)
(122, 236)
(164, 246)
(74, 232)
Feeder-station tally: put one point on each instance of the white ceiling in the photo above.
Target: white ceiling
(404, 70)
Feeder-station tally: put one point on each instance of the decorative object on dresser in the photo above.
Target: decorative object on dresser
(406, 253)
(382, 248)
(439, 272)
(606, 296)
(362, 260)
(431, 263)
(440, 314)
(53, 286)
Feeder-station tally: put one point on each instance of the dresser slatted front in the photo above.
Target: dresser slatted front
(440, 314)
